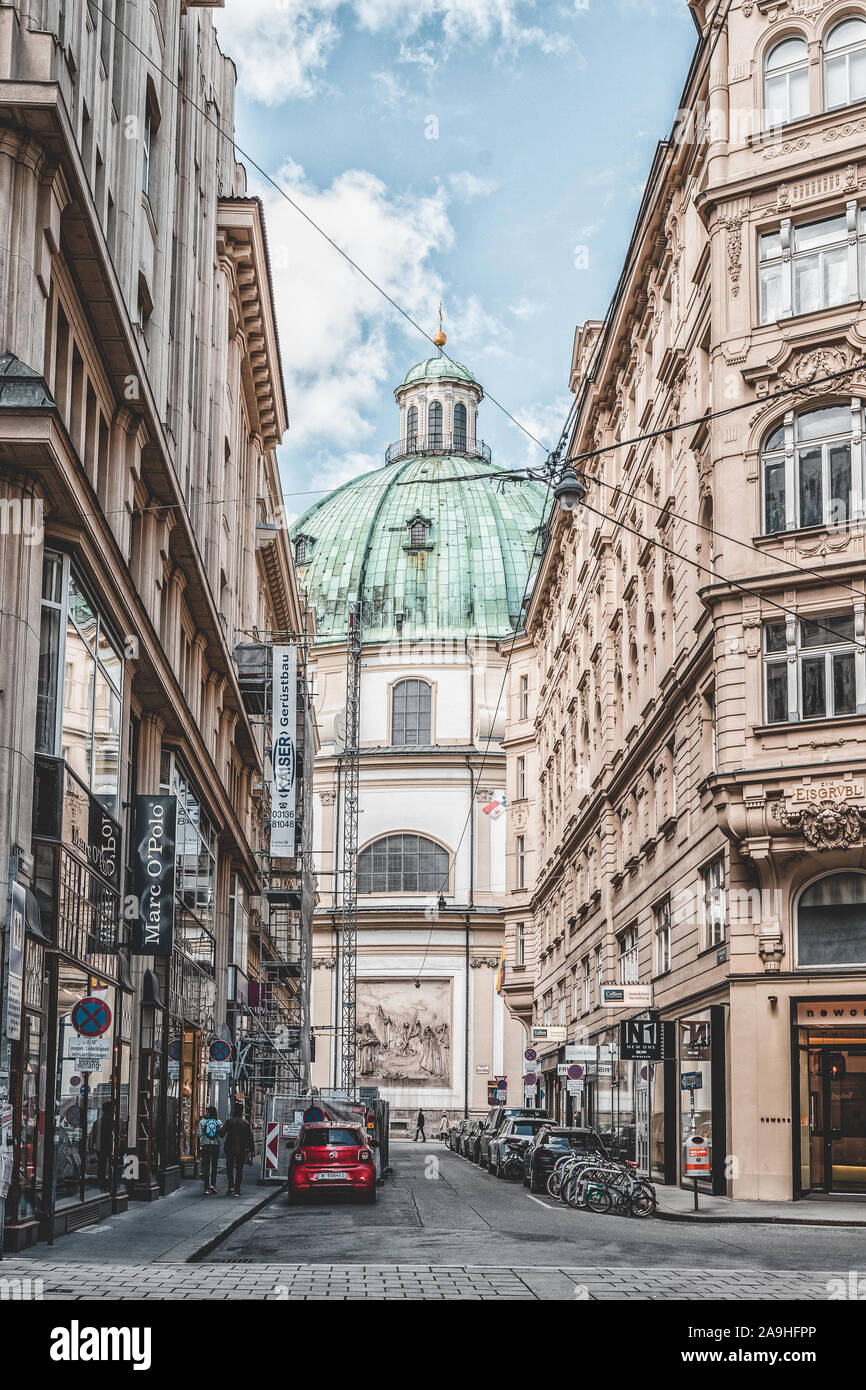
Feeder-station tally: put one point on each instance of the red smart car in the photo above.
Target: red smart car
(332, 1156)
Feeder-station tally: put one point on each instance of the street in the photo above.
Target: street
(444, 1229)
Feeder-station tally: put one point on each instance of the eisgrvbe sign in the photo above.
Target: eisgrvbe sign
(153, 881)
(284, 704)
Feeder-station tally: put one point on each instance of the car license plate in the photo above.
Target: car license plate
(336, 1176)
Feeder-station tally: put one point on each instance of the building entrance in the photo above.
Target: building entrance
(837, 1118)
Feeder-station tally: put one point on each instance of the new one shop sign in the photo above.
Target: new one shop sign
(823, 1011)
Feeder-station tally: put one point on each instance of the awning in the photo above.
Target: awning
(33, 918)
(150, 990)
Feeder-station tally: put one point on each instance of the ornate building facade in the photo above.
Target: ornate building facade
(141, 405)
(687, 704)
(440, 565)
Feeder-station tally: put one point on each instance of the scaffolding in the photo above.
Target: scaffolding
(349, 916)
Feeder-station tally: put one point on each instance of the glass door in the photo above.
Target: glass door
(845, 1070)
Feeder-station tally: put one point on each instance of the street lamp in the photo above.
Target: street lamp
(570, 490)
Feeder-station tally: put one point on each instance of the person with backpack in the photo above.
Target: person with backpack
(239, 1145)
(209, 1148)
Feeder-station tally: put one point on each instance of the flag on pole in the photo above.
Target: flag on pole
(500, 974)
(494, 809)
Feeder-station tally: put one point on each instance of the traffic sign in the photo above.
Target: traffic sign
(530, 1054)
(220, 1051)
(574, 1088)
(576, 1072)
(692, 1081)
(272, 1144)
(174, 1050)
(91, 1017)
(313, 1116)
(530, 1080)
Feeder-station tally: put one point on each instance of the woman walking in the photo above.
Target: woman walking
(209, 1148)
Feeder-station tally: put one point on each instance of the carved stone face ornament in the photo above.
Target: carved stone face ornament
(826, 825)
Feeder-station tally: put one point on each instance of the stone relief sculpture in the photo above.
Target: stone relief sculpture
(404, 1033)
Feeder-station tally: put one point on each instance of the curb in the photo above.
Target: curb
(689, 1218)
(213, 1241)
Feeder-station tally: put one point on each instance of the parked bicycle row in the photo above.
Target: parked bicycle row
(569, 1163)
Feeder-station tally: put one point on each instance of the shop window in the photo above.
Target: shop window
(403, 864)
(831, 922)
(812, 667)
(79, 717)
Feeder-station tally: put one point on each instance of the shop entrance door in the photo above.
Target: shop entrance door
(190, 1099)
(837, 1118)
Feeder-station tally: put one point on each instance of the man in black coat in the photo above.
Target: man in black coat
(419, 1127)
(239, 1145)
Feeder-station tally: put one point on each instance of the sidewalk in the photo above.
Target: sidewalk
(677, 1204)
(174, 1230)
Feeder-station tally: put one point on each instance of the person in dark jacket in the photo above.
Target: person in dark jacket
(239, 1145)
(209, 1148)
(419, 1127)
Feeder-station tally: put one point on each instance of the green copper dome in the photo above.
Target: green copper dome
(438, 369)
(451, 557)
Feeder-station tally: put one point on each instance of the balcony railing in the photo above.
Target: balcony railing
(437, 445)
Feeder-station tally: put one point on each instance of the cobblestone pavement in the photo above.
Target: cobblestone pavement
(66, 1281)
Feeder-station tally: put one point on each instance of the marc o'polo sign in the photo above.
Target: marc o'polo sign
(153, 880)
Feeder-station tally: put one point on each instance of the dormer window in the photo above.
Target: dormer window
(419, 534)
(303, 549)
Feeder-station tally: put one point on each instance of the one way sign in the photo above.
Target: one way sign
(646, 1040)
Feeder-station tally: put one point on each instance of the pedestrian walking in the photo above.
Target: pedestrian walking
(419, 1128)
(101, 1144)
(444, 1126)
(209, 1148)
(238, 1148)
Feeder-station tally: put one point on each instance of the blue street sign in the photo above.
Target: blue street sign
(692, 1081)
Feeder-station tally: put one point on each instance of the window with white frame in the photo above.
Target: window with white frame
(715, 913)
(562, 1014)
(548, 1009)
(813, 668)
(662, 915)
(786, 82)
(521, 861)
(599, 972)
(813, 469)
(575, 991)
(521, 943)
(587, 984)
(628, 956)
(813, 265)
(521, 777)
(845, 64)
(524, 697)
(410, 713)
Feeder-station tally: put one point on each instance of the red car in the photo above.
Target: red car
(332, 1156)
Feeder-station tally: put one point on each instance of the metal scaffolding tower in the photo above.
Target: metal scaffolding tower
(349, 919)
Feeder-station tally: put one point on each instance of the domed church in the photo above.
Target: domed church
(439, 553)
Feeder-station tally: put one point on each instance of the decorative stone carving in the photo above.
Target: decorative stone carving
(825, 825)
(734, 228)
(324, 962)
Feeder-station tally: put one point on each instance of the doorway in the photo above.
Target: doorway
(837, 1118)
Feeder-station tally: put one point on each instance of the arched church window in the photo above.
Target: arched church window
(831, 921)
(412, 426)
(434, 425)
(410, 712)
(403, 864)
(460, 427)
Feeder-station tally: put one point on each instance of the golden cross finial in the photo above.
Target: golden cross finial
(439, 338)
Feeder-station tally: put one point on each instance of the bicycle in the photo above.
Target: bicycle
(618, 1189)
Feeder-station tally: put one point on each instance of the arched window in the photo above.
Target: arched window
(786, 82)
(410, 712)
(831, 921)
(459, 427)
(434, 425)
(403, 864)
(845, 64)
(412, 426)
(807, 469)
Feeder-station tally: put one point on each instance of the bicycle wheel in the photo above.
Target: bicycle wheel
(598, 1198)
(554, 1183)
(642, 1200)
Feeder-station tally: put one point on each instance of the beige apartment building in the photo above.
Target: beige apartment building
(141, 406)
(686, 728)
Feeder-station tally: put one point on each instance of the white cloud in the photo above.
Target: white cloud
(543, 420)
(336, 330)
(281, 47)
(526, 308)
(465, 186)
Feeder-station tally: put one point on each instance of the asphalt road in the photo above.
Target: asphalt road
(440, 1210)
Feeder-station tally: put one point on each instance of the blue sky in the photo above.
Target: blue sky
(545, 117)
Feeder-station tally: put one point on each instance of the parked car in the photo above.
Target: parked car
(329, 1157)
(549, 1144)
(470, 1139)
(455, 1136)
(494, 1122)
(512, 1137)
